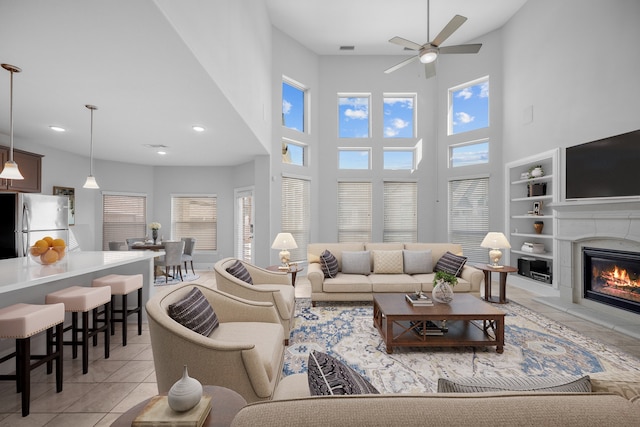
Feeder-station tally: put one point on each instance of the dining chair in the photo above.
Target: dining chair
(130, 242)
(172, 258)
(187, 255)
(115, 246)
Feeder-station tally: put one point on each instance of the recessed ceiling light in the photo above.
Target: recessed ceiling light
(57, 128)
(198, 128)
(162, 153)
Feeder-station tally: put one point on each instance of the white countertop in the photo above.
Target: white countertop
(20, 273)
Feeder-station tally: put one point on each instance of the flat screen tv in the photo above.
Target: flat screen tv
(608, 167)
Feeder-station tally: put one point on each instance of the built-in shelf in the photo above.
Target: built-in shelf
(520, 206)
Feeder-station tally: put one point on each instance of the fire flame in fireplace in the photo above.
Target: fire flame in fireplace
(616, 277)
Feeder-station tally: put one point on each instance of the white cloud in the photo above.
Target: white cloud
(286, 106)
(356, 114)
(390, 132)
(484, 90)
(464, 118)
(465, 93)
(404, 102)
(399, 123)
(354, 102)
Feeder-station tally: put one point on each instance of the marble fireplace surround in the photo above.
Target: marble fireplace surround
(607, 224)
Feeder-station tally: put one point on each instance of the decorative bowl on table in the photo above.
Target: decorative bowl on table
(48, 251)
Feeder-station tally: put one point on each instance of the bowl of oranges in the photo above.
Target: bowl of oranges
(48, 250)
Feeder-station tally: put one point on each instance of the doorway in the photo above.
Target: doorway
(243, 224)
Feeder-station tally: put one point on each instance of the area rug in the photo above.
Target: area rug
(161, 280)
(534, 346)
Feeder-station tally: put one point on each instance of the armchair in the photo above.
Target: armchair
(244, 353)
(268, 286)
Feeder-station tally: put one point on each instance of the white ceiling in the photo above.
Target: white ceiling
(126, 58)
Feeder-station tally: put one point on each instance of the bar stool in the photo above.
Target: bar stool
(22, 321)
(121, 284)
(83, 299)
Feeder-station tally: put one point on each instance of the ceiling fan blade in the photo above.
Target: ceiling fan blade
(461, 48)
(405, 43)
(400, 65)
(429, 70)
(451, 27)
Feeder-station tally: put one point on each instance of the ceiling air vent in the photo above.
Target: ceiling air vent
(347, 47)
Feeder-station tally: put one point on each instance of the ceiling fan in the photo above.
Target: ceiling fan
(428, 52)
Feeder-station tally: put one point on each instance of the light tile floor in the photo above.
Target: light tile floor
(114, 385)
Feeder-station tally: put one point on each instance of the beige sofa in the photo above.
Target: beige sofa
(244, 353)
(360, 287)
(614, 402)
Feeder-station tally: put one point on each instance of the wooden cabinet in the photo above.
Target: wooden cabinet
(528, 202)
(30, 165)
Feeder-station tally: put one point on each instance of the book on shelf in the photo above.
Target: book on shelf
(428, 328)
(158, 413)
(420, 299)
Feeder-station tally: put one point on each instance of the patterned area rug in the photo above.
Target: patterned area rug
(160, 280)
(534, 345)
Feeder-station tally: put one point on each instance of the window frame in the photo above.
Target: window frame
(203, 244)
(469, 144)
(347, 222)
(411, 150)
(414, 114)
(305, 104)
(343, 95)
(138, 227)
(368, 150)
(450, 112)
(288, 142)
(296, 192)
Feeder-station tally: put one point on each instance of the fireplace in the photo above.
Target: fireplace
(612, 277)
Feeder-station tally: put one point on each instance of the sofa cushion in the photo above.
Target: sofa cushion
(555, 383)
(417, 262)
(387, 262)
(239, 271)
(351, 283)
(356, 262)
(329, 376)
(451, 263)
(329, 264)
(194, 312)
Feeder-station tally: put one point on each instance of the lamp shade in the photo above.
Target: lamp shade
(91, 183)
(284, 241)
(495, 240)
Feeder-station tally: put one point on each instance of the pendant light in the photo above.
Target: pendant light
(91, 180)
(11, 170)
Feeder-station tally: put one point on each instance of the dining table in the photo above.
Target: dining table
(151, 247)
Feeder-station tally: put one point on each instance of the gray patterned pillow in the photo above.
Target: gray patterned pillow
(554, 383)
(450, 263)
(194, 312)
(239, 271)
(328, 376)
(329, 264)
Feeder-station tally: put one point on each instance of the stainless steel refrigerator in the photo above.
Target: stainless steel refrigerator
(26, 217)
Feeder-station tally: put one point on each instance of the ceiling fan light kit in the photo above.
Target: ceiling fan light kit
(428, 54)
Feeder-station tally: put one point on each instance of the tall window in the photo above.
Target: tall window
(293, 152)
(400, 212)
(469, 215)
(469, 106)
(195, 216)
(124, 216)
(296, 213)
(293, 102)
(399, 114)
(398, 158)
(353, 116)
(470, 153)
(354, 211)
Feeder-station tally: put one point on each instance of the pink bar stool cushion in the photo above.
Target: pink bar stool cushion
(25, 320)
(80, 298)
(120, 284)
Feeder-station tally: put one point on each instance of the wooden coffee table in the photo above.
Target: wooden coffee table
(470, 322)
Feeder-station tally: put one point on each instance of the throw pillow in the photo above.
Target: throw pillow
(417, 262)
(387, 262)
(329, 376)
(329, 264)
(239, 271)
(553, 384)
(357, 262)
(451, 263)
(194, 312)
(311, 258)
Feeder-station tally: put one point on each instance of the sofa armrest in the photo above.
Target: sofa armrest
(315, 276)
(230, 308)
(261, 276)
(473, 276)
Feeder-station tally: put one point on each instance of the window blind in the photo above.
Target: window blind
(354, 211)
(469, 216)
(296, 213)
(123, 217)
(195, 216)
(400, 212)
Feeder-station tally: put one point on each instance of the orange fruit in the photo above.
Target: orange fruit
(61, 251)
(59, 243)
(49, 240)
(34, 250)
(40, 247)
(49, 257)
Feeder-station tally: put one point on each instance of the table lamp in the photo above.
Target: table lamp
(284, 241)
(495, 241)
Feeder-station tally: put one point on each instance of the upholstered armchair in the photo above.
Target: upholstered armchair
(268, 286)
(245, 352)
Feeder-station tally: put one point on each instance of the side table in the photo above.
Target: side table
(504, 270)
(293, 270)
(225, 404)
